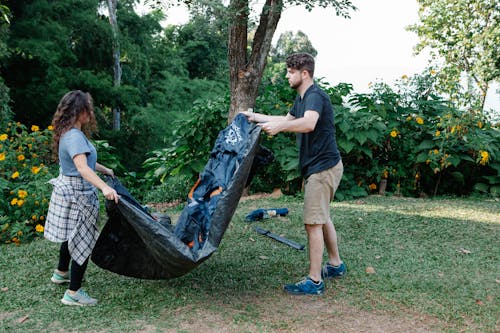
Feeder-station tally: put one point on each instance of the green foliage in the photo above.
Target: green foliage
(289, 43)
(465, 34)
(194, 138)
(24, 172)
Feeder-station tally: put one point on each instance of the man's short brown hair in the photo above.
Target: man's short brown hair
(301, 61)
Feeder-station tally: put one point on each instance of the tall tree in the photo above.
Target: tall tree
(54, 48)
(289, 42)
(5, 111)
(466, 34)
(117, 69)
(246, 69)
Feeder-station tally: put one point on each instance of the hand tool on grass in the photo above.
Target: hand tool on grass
(280, 239)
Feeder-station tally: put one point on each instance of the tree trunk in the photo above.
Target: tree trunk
(117, 70)
(246, 72)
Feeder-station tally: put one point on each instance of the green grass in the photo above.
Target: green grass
(418, 248)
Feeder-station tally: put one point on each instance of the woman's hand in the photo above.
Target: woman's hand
(110, 193)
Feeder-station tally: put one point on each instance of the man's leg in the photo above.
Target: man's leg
(316, 246)
(330, 237)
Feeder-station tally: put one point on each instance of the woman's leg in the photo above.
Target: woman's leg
(76, 277)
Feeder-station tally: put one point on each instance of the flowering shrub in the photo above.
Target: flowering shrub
(428, 146)
(24, 172)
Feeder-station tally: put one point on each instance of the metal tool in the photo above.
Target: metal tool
(280, 239)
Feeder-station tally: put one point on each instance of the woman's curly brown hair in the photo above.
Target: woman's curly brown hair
(70, 107)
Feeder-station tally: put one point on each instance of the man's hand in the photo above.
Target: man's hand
(272, 127)
(249, 114)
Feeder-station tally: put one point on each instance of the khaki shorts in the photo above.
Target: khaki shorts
(318, 193)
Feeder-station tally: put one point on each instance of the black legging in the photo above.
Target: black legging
(77, 271)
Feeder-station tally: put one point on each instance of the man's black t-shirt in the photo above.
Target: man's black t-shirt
(318, 149)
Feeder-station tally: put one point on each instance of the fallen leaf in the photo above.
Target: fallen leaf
(464, 251)
(263, 257)
(370, 270)
(497, 281)
(22, 319)
(479, 302)
(253, 240)
(440, 274)
(5, 289)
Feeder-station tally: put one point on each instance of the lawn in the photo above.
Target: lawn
(419, 265)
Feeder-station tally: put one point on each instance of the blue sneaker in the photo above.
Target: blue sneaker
(305, 287)
(58, 278)
(80, 298)
(329, 271)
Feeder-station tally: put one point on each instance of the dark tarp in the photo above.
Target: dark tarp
(135, 244)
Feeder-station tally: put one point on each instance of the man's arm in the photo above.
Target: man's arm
(289, 123)
(262, 118)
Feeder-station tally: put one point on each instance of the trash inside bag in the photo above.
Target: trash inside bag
(135, 243)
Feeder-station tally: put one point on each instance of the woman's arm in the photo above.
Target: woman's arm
(102, 169)
(89, 175)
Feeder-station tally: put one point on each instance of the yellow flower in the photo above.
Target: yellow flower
(2, 156)
(3, 137)
(373, 186)
(433, 72)
(438, 133)
(20, 158)
(479, 124)
(15, 175)
(42, 218)
(39, 228)
(409, 118)
(19, 233)
(436, 151)
(485, 156)
(35, 169)
(404, 77)
(20, 203)
(50, 128)
(419, 121)
(34, 217)
(394, 133)
(22, 194)
(35, 128)
(385, 174)
(13, 202)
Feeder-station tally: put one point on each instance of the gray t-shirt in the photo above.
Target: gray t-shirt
(72, 143)
(318, 149)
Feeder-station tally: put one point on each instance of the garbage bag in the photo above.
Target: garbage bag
(133, 243)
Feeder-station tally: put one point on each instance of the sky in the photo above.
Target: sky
(373, 45)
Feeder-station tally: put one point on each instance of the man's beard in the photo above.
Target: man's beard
(295, 85)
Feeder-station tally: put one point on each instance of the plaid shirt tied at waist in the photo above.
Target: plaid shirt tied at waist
(72, 216)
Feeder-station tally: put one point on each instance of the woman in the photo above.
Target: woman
(74, 206)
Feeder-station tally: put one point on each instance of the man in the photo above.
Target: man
(312, 118)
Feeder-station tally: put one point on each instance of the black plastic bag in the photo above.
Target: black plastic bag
(133, 243)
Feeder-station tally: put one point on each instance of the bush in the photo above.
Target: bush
(24, 172)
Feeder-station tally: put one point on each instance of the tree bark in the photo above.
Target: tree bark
(246, 71)
(117, 70)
